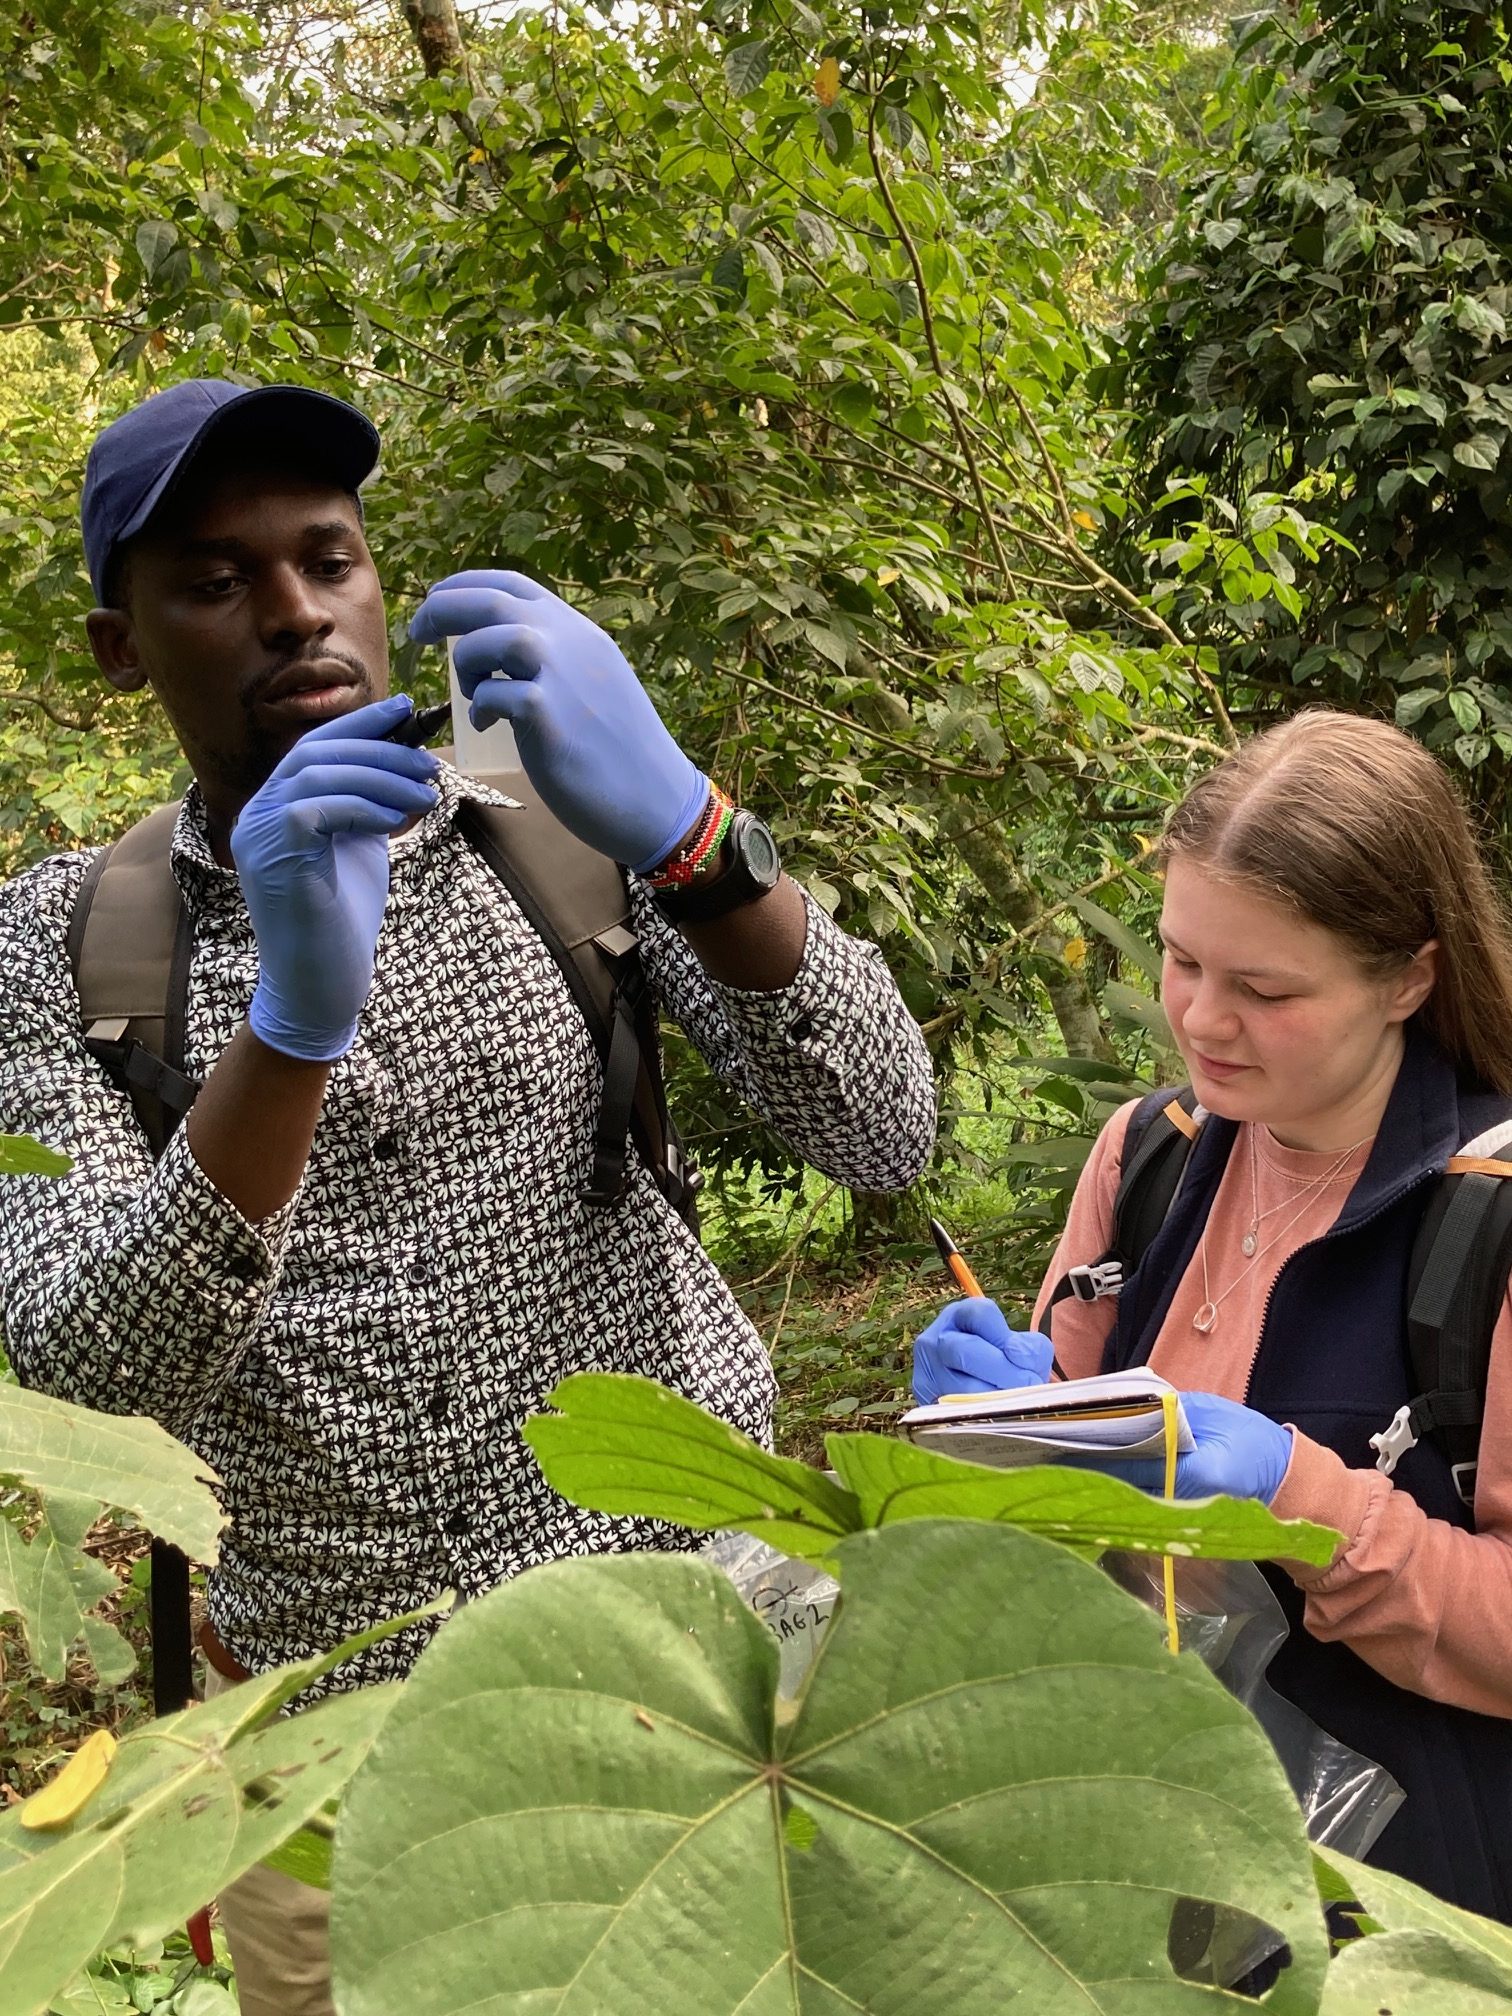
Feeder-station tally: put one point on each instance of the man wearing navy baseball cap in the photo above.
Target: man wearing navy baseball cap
(382, 1234)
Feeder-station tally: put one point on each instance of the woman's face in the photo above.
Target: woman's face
(1275, 1018)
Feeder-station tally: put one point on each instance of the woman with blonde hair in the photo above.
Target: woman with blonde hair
(1337, 971)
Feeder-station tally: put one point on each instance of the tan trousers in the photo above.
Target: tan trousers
(279, 1932)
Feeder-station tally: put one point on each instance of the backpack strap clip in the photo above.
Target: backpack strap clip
(1155, 1158)
(1393, 1441)
(138, 1070)
(1093, 1280)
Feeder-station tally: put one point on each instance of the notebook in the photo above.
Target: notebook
(1116, 1417)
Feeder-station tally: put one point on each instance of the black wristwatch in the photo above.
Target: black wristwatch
(752, 867)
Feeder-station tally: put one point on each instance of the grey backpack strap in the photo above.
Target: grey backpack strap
(579, 904)
(129, 945)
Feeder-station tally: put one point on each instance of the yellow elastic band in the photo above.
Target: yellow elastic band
(1168, 1564)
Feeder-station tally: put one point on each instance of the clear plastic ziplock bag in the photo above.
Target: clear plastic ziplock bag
(794, 1599)
(1229, 1617)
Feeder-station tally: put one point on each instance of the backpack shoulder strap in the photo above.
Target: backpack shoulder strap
(579, 904)
(1156, 1147)
(1151, 1175)
(129, 946)
(1457, 1285)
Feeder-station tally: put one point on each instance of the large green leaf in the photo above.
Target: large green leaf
(56, 1911)
(189, 1803)
(993, 1793)
(1414, 1974)
(1080, 1508)
(123, 1460)
(51, 1584)
(1429, 1959)
(78, 1461)
(626, 1445)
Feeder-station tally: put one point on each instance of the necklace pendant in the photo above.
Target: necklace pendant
(1206, 1317)
(1247, 1245)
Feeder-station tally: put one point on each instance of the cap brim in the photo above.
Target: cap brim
(312, 432)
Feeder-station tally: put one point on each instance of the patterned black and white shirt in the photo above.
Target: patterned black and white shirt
(357, 1367)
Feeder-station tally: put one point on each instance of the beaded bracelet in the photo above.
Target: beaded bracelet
(694, 855)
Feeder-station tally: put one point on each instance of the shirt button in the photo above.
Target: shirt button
(245, 1268)
(418, 1274)
(438, 1401)
(386, 1148)
(800, 1027)
(456, 1525)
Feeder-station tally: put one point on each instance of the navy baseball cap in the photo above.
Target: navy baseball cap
(140, 459)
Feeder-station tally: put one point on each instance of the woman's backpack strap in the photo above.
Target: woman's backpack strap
(1457, 1288)
(1161, 1131)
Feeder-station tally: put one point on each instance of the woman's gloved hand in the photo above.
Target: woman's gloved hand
(311, 849)
(591, 742)
(1239, 1452)
(971, 1348)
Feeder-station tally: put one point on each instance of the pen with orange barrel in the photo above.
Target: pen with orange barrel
(965, 1280)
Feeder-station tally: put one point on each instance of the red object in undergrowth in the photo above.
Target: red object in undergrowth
(198, 1929)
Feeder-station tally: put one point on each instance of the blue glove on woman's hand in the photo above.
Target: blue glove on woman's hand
(1239, 1452)
(590, 740)
(971, 1348)
(311, 848)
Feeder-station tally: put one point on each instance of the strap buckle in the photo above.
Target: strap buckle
(1094, 1280)
(1464, 1481)
(1392, 1442)
(684, 1180)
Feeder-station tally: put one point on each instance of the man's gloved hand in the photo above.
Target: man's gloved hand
(1239, 1452)
(590, 740)
(311, 848)
(970, 1348)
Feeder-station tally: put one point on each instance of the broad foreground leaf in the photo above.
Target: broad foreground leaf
(992, 1793)
(626, 1445)
(188, 1803)
(893, 1479)
(1414, 1974)
(1429, 1959)
(49, 1582)
(122, 1460)
(79, 1462)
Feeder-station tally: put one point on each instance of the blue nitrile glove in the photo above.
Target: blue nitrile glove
(591, 742)
(311, 848)
(971, 1348)
(1239, 1452)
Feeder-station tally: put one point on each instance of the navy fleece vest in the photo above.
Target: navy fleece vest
(1332, 1359)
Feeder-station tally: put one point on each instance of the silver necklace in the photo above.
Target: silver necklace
(1206, 1317)
(1258, 1217)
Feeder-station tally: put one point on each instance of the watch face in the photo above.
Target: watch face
(760, 853)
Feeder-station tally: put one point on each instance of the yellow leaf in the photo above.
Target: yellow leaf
(1144, 843)
(827, 82)
(1074, 952)
(62, 1798)
(885, 575)
(1086, 521)
(476, 154)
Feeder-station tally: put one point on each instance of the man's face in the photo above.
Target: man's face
(254, 611)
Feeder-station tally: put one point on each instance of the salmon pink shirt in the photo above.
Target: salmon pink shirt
(1425, 1603)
